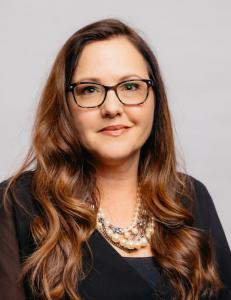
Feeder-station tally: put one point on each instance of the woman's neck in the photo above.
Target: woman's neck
(118, 190)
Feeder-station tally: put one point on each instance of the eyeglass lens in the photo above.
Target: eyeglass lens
(92, 94)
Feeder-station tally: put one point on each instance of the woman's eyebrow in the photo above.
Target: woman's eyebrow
(95, 79)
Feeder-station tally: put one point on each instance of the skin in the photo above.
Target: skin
(116, 158)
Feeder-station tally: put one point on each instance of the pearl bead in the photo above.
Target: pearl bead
(99, 225)
(115, 237)
(127, 234)
(109, 232)
(126, 245)
(148, 235)
(144, 241)
(137, 245)
(134, 230)
(149, 229)
(123, 242)
(130, 244)
(107, 223)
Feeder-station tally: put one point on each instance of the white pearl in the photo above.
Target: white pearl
(127, 234)
(115, 237)
(151, 229)
(134, 230)
(137, 245)
(109, 232)
(107, 223)
(123, 242)
(148, 235)
(99, 225)
(130, 244)
(144, 241)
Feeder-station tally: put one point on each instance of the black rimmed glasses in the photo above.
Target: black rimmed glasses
(129, 92)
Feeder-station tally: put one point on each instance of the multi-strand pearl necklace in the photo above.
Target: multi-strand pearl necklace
(135, 236)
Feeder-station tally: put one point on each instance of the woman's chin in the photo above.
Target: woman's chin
(116, 156)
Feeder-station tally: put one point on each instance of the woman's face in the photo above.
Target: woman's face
(110, 61)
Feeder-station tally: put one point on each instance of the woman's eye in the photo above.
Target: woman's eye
(89, 90)
(85, 90)
(131, 86)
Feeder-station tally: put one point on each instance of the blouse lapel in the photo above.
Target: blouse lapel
(112, 277)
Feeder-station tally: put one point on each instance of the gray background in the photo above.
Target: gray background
(192, 42)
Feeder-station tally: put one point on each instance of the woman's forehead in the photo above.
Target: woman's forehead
(110, 58)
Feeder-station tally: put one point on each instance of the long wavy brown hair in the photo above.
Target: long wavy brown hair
(64, 183)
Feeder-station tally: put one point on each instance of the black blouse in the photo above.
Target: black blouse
(147, 267)
(113, 276)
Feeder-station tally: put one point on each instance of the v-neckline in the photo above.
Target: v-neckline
(122, 256)
(162, 287)
(111, 270)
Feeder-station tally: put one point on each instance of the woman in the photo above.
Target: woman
(104, 213)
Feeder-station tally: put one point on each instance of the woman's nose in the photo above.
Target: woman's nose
(112, 105)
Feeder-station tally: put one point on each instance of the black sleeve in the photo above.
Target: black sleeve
(207, 219)
(9, 254)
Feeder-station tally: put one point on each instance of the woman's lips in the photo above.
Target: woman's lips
(115, 132)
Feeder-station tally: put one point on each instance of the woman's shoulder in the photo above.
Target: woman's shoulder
(23, 181)
(203, 206)
(21, 195)
(199, 188)
(20, 208)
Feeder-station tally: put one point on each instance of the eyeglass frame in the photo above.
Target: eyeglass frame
(72, 86)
